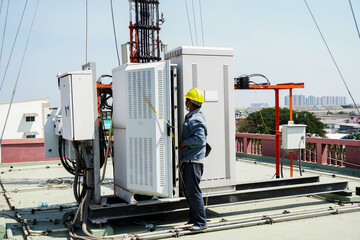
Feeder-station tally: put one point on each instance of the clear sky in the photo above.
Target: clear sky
(276, 38)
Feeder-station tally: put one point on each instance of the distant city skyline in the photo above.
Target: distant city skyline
(259, 105)
(302, 100)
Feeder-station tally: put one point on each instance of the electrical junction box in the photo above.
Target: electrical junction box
(293, 136)
(58, 125)
(142, 140)
(51, 137)
(78, 107)
(211, 70)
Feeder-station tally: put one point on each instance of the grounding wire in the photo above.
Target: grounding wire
(332, 57)
(352, 11)
(86, 32)
(188, 17)
(12, 49)
(202, 27)
(194, 22)
(113, 23)
(2, 1)
(21, 64)
(3, 37)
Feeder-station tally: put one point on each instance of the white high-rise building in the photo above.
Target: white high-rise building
(302, 100)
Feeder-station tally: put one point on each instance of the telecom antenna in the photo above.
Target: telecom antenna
(144, 31)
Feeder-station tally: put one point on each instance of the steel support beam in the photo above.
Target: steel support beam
(114, 209)
(277, 182)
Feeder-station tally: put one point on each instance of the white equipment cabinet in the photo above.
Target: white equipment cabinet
(143, 156)
(211, 70)
(77, 105)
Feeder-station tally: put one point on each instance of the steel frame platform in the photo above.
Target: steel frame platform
(113, 207)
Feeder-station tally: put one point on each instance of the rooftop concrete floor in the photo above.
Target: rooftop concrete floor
(27, 187)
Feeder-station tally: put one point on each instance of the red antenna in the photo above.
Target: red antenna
(144, 31)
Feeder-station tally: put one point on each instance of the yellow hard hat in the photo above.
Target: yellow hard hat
(196, 95)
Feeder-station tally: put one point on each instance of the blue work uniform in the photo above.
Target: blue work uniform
(194, 132)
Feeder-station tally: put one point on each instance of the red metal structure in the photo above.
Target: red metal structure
(277, 88)
(144, 31)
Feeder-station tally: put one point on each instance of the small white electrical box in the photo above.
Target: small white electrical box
(51, 137)
(58, 125)
(293, 136)
(78, 109)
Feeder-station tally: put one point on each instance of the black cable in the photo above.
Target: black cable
(12, 49)
(189, 23)
(76, 182)
(139, 34)
(146, 45)
(5, 24)
(300, 170)
(282, 165)
(21, 64)
(146, 13)
(146, 17)
(105, 93)
(352, 11)
(259, 75)
(2, 1)
(137, 30)
(113, 23)
(102, 144)
(86, 208)
(105, 96)
(202, 28)
(142, 39)
(78, 188)
(8, 215)
(65, 161)
(332, 57)
(86, 31)
(104, 76)
(194, 22)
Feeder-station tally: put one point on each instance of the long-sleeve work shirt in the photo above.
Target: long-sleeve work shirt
(194, 133)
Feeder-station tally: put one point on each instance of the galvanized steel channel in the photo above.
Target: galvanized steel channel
(112, 208)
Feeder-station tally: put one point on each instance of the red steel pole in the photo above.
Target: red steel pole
(277, 132)
(291, 118)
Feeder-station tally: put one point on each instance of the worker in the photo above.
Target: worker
(193, 148)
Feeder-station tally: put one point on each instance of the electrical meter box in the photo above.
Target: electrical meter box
(142, 139)
(293, 136)
(78, 107)
(211, 70)
(51, 137)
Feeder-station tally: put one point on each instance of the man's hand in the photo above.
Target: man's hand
(182, 144)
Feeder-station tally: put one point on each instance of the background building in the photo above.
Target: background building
(257, 105)
(25, 119)
(302, 100)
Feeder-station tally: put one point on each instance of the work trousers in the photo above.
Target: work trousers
(192, 173)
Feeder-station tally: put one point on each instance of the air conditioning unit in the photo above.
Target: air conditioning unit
(143, 142)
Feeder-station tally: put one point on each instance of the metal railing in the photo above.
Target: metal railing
(334, 152)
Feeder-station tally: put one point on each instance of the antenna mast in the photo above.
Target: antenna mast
(144, 31)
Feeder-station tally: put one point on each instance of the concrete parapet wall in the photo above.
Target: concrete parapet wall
(23, 150)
